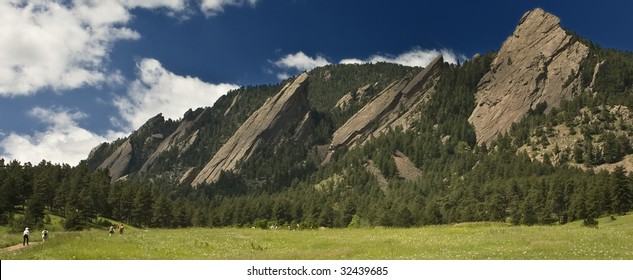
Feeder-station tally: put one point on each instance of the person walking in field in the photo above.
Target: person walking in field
(44, 235)
(25, 237)
(121, 229)
(111, 230)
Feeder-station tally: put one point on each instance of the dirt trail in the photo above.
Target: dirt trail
(18, 246)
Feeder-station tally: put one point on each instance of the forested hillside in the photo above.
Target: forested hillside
(413, 152)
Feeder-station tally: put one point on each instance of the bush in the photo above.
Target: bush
(103, 223)
(261, 223)
(590, 222)
(358, 222)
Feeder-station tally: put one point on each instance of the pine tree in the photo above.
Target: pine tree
(142, 209)
(556, 201)
(622, 194)
(161, 212)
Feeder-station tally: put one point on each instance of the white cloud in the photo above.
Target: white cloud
(352, 61)
(298, 62)
(176, 5)
(61, 44)
(415, 57)
(283, 76)
(63, 141)
(159, 91)
(213, 7)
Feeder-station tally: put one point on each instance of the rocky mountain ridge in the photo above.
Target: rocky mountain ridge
(264, 127)
(538, 63)
(385, 111)
(538, 66)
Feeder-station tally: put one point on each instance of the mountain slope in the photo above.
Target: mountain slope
(538, 64)
(389, 109)
(264, 127)
(275, 134)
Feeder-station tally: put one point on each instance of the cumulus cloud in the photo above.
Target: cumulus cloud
(416, 57)
(63, 45)
(175, 5)
(158, 90)
(63, 140)
(213, 7)
(298, 62)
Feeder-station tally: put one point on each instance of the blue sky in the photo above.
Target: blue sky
(77, 73)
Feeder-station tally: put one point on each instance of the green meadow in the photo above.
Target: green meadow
(612, 239)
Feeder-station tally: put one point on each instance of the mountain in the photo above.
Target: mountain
(264, 127)
(208, 141)
(539, 132)
(393, 107)
(538, 66)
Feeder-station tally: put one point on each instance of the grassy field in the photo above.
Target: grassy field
(611, 240)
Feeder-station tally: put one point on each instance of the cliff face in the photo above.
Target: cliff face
(538, 63)
(117, 163)
(122, 157)
(391, 107)
(181, 139)
(264, 127)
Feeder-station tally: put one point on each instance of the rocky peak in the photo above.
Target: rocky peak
(264, 127)
(383, 111)
(538, 63)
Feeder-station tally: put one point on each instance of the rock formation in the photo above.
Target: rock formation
(117, 163)
(384, 111)
(406, 168)
(180, 139)
(348, 99)
(538, 63)
(264, 127)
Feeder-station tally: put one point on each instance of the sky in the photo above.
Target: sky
(76, 73)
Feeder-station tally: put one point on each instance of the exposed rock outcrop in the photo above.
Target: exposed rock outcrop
(264, 127)
(390, 108)
(117, 163)
(406, 168)
(233, 102)
(180, 139)
(306, 126)
(538, 63)
(371, 167)
(188, 177)
(348, 99)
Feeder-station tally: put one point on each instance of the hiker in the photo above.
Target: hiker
(25, 235)
(121, 229)
(111, 230)
(44, 235)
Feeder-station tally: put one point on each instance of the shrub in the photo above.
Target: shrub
(358, 222)
(590, 222)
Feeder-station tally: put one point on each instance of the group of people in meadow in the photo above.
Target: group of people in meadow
(27, 232)
(111, 231)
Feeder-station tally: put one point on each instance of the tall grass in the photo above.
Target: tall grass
(611, 240)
